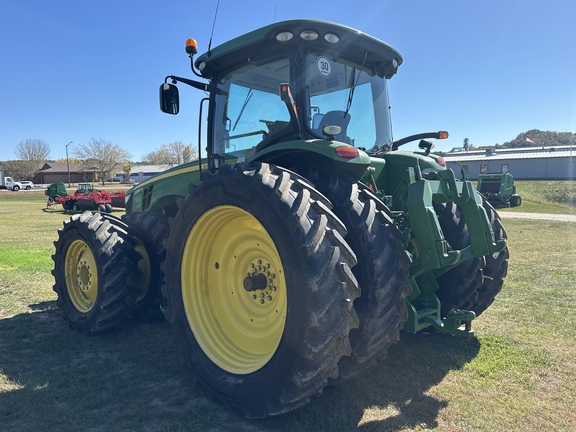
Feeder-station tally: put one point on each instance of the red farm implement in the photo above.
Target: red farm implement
(85, 198)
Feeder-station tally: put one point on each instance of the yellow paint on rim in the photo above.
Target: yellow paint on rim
(81, 276)
(144, 266)
(238, 330)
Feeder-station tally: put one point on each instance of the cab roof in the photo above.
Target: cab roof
(263, 42)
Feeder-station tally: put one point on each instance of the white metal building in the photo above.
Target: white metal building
(529, 163)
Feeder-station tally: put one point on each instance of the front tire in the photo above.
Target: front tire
(95, 273)
(458, 287)
(496, 264)
(259, 287)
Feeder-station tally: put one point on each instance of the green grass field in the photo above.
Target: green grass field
(518, 374)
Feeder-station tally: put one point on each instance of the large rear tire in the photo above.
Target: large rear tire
(259, 288)
(382, 270)
(496, 264)
(95, 273)
(458, 287)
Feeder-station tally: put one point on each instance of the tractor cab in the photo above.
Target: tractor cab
(84, 188)
(319, 83)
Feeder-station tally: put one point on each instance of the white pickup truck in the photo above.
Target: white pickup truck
(8, 182)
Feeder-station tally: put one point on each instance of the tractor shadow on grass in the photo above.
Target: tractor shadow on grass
(53, 378)
(135, 379)
(392, 396)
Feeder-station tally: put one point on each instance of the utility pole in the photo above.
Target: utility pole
(67, 163)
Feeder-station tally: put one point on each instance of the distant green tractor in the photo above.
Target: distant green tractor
(296, 249)
(499, 189)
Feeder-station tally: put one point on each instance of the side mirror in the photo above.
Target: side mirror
(169, 99)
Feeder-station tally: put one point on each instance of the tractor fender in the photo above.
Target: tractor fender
(333, 155)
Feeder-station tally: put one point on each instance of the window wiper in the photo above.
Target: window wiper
(248, 96)
(354, 83)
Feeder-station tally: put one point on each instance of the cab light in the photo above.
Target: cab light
(346, 152)
(442, 135)
(284, 36)
(309, 35)
(331, 38)
(442, 162)
(191, 46)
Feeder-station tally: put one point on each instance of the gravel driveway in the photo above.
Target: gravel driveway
(538, 216)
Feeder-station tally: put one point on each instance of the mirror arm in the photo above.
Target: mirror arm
(196, 84)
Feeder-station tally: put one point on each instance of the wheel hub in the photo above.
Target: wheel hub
(84, 276)
(260, 278)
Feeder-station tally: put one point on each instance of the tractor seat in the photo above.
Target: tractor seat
(339, 119)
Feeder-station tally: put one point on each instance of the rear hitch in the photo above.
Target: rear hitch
(458, 322)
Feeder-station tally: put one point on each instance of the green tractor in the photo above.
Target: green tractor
(499, 189)
(296, 249)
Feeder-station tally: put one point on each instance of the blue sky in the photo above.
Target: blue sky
(484, 70)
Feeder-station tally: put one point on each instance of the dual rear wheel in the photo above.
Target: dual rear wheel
(260, 289)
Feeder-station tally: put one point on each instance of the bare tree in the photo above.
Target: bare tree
(175, 153)
(16, 169)
(33, 153)
(33, 150)
(102, 156)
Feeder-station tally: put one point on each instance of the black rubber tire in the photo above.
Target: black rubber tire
(112, 253)
(496, 264)
(68, 205)
(15, 188)
(382, 270)
(515, 200)
(320, 287)
(76, 207)
(458, 287)
(150, 229)
(108, 208)
(101, 208)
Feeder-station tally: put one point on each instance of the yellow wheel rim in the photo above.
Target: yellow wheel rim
(238, 329)
(81, 276)
(144, 266)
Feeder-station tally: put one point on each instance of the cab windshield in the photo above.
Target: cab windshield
(349, 96)
(248, 108)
